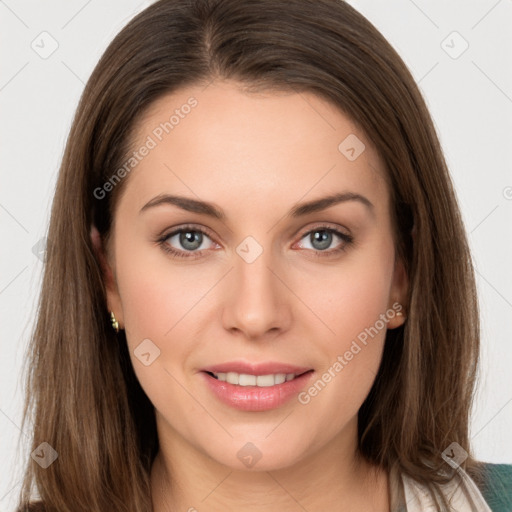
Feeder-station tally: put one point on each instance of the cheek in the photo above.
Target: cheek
(161, 303)
(349, 297)
(355, 305)
(158, 296)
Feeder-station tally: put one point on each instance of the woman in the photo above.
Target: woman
(198, 345)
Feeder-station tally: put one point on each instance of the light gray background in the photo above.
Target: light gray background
(469, 96)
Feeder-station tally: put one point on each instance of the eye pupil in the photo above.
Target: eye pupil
(189, 239)
(324, 239)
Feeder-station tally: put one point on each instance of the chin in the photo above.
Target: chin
(259, 452)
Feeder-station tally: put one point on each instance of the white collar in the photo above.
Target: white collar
(461, 491)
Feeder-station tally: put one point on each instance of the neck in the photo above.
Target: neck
(185, 479)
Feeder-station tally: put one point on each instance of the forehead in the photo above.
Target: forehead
(277, 146)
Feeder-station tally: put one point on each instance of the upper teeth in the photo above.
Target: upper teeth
(244, 379)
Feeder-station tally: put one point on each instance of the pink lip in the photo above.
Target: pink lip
(267, 368)
(254, 398)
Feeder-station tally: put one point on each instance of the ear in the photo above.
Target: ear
(398, 295)
(113, 298)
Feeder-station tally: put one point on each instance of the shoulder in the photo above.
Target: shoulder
(496, 486)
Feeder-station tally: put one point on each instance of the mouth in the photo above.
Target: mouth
(256, 388)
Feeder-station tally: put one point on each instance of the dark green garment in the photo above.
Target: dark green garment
(497, 488)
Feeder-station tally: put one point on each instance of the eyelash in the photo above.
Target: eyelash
(162, 241)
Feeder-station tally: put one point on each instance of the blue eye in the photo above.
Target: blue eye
(322, 237)
(191, 239)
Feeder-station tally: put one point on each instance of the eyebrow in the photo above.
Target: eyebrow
(203, 207)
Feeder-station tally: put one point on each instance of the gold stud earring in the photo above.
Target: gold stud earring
(400, 313)
(114, 322)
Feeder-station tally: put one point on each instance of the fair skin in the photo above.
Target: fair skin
(256, 156)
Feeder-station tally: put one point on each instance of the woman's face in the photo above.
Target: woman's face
(264, 283)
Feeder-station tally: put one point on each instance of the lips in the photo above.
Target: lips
(255, 387)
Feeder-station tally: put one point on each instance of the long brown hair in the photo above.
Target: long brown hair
(82, 393)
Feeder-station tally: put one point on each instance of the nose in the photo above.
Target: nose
(257, 301)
